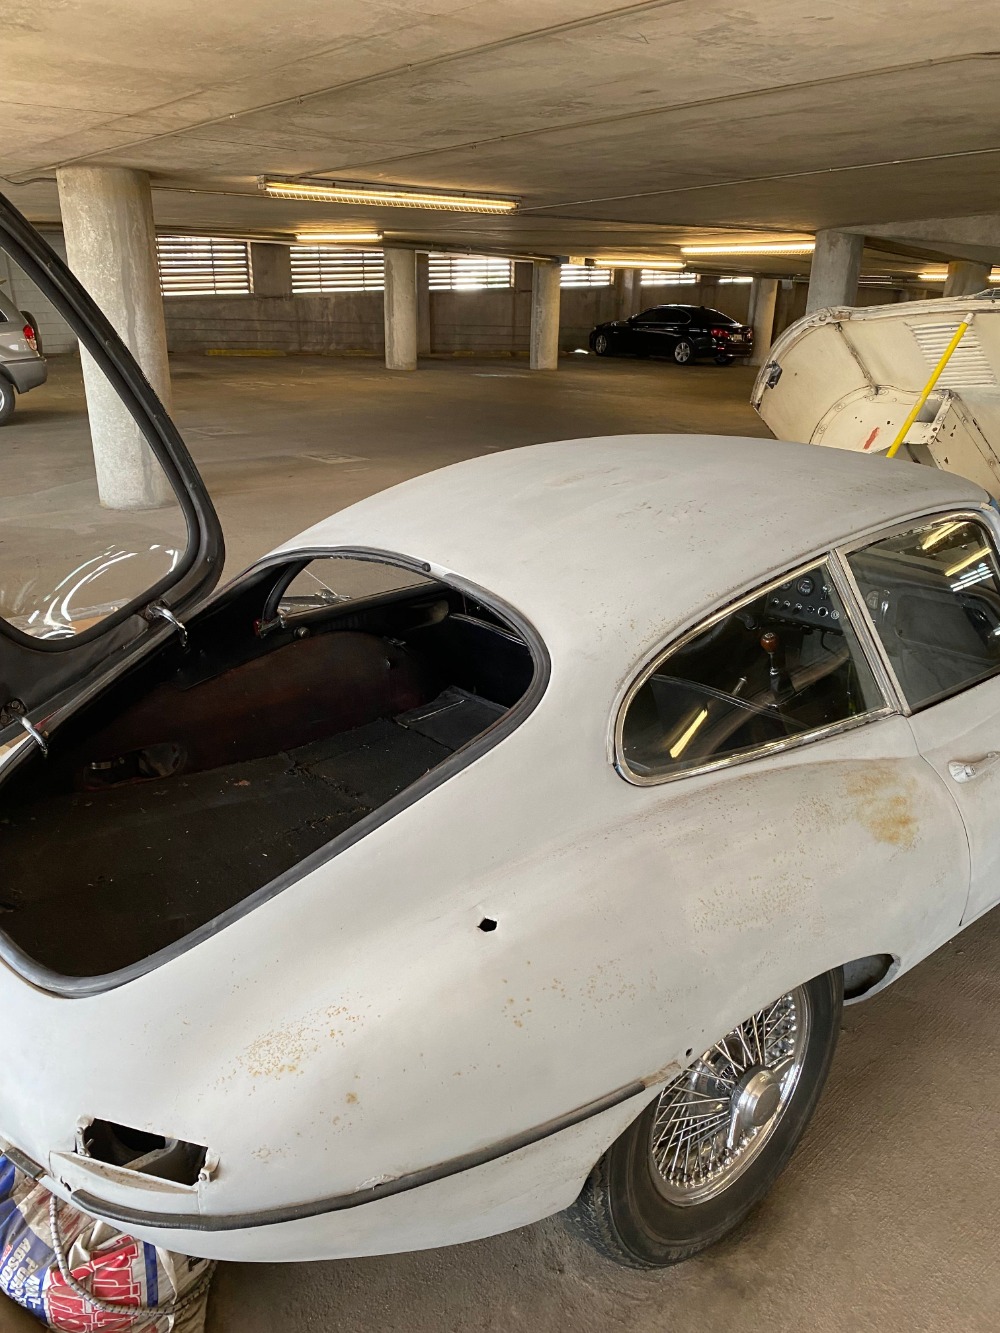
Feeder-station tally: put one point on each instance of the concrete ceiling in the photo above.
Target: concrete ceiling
(629, 126)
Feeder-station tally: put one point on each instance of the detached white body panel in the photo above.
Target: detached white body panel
(850, 376)
(370, 1070)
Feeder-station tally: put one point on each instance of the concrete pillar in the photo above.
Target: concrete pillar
(423, 306)
(400, 308)
(545, 292)
(836, 267)
(628, 291)
(107, 215)
(966, 276)
(763, 300)
(271, 267)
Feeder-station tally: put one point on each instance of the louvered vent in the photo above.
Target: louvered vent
(467, 273)
(325, 268)
(658, 277)
(967, 367)
(584, 275)
(202, 266)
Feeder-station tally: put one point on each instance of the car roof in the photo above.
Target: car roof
(610, 543)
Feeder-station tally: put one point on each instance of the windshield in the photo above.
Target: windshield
(89, 521)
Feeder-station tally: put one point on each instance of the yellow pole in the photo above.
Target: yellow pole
(894, 448)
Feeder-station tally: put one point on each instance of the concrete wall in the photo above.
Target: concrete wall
(487, 323)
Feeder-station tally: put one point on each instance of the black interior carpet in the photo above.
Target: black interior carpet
(93, 881)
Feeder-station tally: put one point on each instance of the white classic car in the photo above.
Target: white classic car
(506, 842)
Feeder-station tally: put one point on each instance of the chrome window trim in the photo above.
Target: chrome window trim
(986, 514)
(851, 608)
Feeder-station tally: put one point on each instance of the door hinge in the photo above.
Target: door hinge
(14, 711)
(157, 611)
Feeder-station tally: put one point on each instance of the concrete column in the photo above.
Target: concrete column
(545, 293)
(423, 306)
(628, 291)
(107, 215)
(271, 267)
(763, 300)
(400, 308)
(836, 267)
(966, 276)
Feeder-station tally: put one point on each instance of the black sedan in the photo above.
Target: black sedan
(683, 332)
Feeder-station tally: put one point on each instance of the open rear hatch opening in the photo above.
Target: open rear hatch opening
(295, 711)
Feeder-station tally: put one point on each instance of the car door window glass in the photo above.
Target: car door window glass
(782, 665)
(933, 594)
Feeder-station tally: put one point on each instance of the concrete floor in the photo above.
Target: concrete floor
(887, 1217)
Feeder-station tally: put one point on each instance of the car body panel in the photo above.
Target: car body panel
(25, 367)
(624, 926)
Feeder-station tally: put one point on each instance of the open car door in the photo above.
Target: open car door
(107, 535)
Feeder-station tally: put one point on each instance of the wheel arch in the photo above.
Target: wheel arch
(865, 976)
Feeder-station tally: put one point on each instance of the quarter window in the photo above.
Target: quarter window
(783, 665)
(933, 594)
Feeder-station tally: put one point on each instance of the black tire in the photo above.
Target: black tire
(602, 344)
(683, 352)
(6, 400)
(723, 359)
(29, 318)
(625, 1215)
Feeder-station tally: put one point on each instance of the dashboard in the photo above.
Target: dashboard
(807, 600)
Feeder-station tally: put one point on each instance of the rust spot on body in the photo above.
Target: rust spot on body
(884, 805)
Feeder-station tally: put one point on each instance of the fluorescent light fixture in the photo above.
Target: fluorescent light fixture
(941, 277)
(388, 196)
(752, 248)
(336, 237)
(622, 261)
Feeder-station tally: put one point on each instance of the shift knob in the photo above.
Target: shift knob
(769, 641)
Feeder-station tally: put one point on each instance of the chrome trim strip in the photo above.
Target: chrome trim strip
(337, 1203)
(854, 603)
(986, 514)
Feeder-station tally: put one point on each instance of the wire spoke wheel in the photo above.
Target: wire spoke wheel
(706, 1150)
(714, 1118)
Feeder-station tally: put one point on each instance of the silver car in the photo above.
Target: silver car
(22, 366)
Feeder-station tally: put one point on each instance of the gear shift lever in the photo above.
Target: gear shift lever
(777, 676)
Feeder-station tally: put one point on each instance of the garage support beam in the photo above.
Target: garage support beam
(965, 276)
(400, 308)
(545, 294)
(628, 292)
(423, 305)
(107, 215)
(271, 266)
(763, 301)
(836, 268)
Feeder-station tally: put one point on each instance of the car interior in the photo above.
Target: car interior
(780, 665)
(934, 596)
(296, 711)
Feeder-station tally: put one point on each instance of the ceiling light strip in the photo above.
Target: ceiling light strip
(387, 196)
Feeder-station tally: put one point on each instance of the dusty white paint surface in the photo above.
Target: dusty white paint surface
(359, 1026)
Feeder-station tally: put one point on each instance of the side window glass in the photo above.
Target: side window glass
(934, 595)
(783, 664)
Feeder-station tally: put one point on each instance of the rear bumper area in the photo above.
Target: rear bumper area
(26, 374)
(512, 1190)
